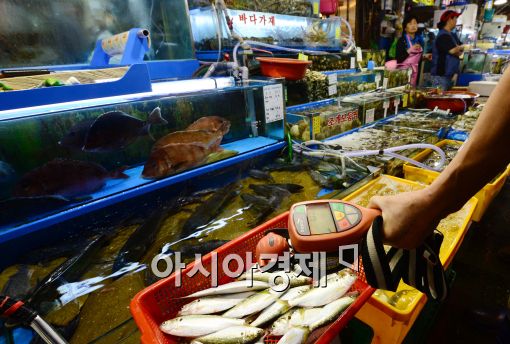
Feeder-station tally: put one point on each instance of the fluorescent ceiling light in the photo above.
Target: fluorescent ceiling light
(500, 2)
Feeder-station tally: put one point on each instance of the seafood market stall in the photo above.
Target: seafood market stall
(169, 168)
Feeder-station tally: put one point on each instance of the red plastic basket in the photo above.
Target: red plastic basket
(160, 301)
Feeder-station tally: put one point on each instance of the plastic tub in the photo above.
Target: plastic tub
(291, 69)
(160, 301)
(391, 324)
(456, 101)
(484, 196)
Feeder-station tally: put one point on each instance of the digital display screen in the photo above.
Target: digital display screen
(320, 219)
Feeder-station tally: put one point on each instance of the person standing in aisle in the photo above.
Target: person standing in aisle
(446, 52)
(410, 47)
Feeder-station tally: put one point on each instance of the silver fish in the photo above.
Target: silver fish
(336, 287)
(232, 288)
(293, 318)
(305, 317)
(280, 306)
(198, 325)
(232, 335)
(214, 304)
(331, 311)
(295, 279)
(296, 335)
(252, 305)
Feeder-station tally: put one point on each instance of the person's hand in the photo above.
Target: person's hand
(427, 57)
(417, 46)
(408, 218)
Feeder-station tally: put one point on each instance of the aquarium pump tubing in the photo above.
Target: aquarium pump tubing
(331, 152)
(16, 311)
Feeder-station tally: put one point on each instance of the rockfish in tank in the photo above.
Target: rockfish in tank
(65, 177)
(211, 123)
(111, 131)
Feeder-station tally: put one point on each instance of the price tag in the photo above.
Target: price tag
(409, 73)
(369, 116)
(353, 62)
(302, 57)
(273, 103)
(385, 83)
(396, 103)
(377, 80)
(337, 33)
(316, 125)
(332, 90)
(404, 100)
(359, 55)
(315, 8)
(386, 106)
(332, 78)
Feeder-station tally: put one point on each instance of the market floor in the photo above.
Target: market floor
(479, 298)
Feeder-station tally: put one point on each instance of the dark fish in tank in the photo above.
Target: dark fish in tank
(7, 173)
(111, 131)
(258, 174)
(211, 123)
(269, 190)
(207, 138)
(18, 285)
(207, 211)
(173, 158)
(191, 247)
(65, 177)
(329, 182)
(257, 201)
(49, 253)
(293, 166)
(18, 209)
(141, 240)
(45, 296)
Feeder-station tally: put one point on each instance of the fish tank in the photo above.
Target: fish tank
(264, 27)
(320, 120)
(65, 32)
(71, 155)
(380, 136)
(378, 56)
(476, 62)
(422, 120)
(397, 77)
(356, 83)
(81, 274)
(373, 106)
(303, 8)
(313, 87)
(332, 62)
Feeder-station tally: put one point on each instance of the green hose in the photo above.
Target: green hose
(289, 143)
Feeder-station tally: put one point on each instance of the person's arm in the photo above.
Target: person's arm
(410, 217)
(446, 44)
(401, 51)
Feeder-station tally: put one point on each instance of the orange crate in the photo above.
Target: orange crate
(160, 301)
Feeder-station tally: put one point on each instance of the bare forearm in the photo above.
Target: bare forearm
(486, 153)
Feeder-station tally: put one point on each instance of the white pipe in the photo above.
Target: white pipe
(325, 151)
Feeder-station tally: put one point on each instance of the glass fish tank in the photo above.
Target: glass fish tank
(422, 120)
(264, 27)
(80, 275)
(356, 83)
(61, 32)
(397, 77)
(64, 156)
(320, 120)
(304, 8)
(373, 106)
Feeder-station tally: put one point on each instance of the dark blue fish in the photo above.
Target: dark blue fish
(258, 174)
(109, 132)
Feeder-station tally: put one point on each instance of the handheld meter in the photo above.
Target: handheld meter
(324, 225)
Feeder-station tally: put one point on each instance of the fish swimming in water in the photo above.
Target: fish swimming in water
(211, 123)
(7, 173)
(258, 174)
(65, 177)
(19, 209)
(208, 138)
(173, 158)
(109, 132)
(207, 211)
(141, 240)
(46, 293)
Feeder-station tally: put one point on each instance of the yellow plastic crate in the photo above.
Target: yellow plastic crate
(484, 196)
(391, 324)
